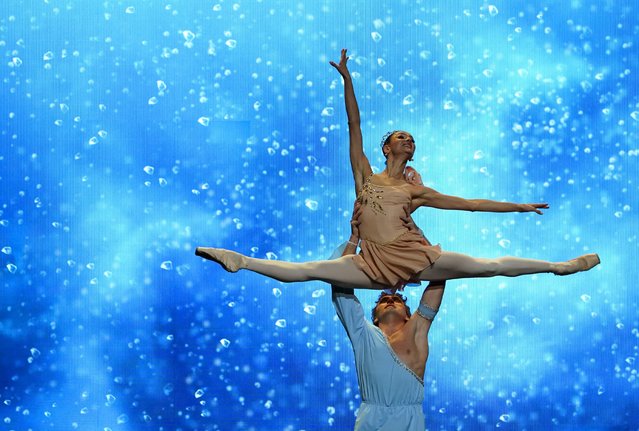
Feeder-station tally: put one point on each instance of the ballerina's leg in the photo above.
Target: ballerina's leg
(341, 272)
(456, 265)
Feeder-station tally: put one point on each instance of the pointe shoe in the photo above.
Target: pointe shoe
(230, 260)
(582, 263)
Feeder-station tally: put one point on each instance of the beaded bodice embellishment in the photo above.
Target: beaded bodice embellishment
(372, 196)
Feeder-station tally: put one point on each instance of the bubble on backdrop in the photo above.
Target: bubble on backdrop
(133, 131)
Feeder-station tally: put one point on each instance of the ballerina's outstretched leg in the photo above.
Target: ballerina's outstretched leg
(341, 272)
(456, 265)
(344, 272)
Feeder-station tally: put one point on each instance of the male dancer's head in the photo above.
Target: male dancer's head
(389, 307)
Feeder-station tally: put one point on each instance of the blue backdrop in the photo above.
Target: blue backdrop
(133, 131)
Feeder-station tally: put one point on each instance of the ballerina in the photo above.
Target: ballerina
(391, 255)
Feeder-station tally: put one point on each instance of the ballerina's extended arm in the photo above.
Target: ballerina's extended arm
(431, 198)
(359, 162)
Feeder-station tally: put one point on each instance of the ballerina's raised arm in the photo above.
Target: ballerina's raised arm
(359, 162)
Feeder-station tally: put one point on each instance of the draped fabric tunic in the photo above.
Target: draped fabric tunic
(392, 394)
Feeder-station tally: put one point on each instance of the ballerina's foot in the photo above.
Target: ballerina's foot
(582, 263)
(230, 260)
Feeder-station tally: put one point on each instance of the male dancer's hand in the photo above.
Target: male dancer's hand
(357, 211)
(408, 220)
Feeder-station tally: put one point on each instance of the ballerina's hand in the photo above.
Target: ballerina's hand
(357, 211)
(408, 220)
(341, 67)
(525, 208)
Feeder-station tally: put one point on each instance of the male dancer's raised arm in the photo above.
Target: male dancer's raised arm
(351, 244)
(421, 321)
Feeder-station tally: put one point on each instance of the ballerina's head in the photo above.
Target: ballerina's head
(398, 143)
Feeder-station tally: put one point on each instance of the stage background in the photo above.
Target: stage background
(133, 131)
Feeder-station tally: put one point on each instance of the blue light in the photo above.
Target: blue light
(132, 132)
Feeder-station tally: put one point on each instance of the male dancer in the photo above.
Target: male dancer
(391, 353)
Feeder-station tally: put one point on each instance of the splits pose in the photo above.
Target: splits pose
(392, 255)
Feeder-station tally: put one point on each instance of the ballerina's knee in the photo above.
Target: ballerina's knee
(490, 268)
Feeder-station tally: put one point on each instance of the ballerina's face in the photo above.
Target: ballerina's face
(399, 143)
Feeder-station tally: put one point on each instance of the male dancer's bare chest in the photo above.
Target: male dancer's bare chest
(406, 350)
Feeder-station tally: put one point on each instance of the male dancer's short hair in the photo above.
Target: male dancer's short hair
(383, 294)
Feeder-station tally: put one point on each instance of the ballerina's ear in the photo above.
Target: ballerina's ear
(412, 176)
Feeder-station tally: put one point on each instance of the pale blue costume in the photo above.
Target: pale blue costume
(392, 394)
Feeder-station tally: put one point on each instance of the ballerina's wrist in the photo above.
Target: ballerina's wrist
(353, 240)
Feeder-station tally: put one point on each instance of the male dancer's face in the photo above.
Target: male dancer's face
(390, 305)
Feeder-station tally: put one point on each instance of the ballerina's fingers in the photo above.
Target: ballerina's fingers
(536, 207)
(343, 58)
(341, 67)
